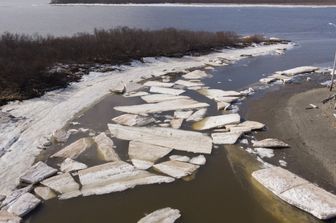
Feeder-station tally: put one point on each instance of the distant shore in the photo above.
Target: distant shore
(210, 5)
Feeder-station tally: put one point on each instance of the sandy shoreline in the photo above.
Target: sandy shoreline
(310, 132)
(40, 117)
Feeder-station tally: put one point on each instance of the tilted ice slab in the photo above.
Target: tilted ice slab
(227, 138)
(176, 168)
(158, 84)
(133, 120)
(46, 114)
(182, 140)
(164, 215)
(73, 150)
(198, 115)
(298, 191)
(154, 98)
(216, 121)
(63, 183)
(105, 148)
(189, 83)
(217, 94)
(7, 217)
(69, 165)
(163, 90)
(196, 74)
(270, 143)
(37, 173)
(25, 204)
(162, 106)
(298, 70)
(138, 151)
(114, 177)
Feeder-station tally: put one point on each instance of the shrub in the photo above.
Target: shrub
(25, 61)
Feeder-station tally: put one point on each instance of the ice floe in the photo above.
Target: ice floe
(298, 191)
(37, 173)
(189, 141)
(44, 192)
(74, 150)
(198, 160)
(162, 90)
(146, 152)
(165, 215)
(63, 183)
(176, 169)
(197, 115)
(24, 204)
(216, 121)
(270, 143)
(105, 148)
(116, 176)
(196, 74)
(133, 120)
(162, 106)
(225, 138)
(69, 165)
(158, 84)
(153, 98)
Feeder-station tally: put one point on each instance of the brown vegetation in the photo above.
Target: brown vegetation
(26, 61)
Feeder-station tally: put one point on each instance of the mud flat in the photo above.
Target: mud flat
(310, 132)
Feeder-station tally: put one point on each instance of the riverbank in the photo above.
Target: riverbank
(310, 131)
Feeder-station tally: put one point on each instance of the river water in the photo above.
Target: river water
(219, 192)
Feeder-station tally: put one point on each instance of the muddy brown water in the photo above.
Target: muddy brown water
(220, 191)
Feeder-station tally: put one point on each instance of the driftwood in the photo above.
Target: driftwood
(329, 98)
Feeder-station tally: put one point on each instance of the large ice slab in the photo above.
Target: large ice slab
(298, 191)
(63, 183)
(7, 217)
(216, 121)
(158, 84)
(165, 215)
(198, 115)
(44, 192)
(176, 169)
(37, 173)
(73, 150)
(298, 70)
(189, 83)
(218, 94)
(25, 204)
(163, 90)
(270, 143)
(196, 74)
(133, 120)
(146, 152)
(116, 176)
(105, 148)
(162, 106)
(69, 165)
(223, 138)
(154, 98)
(189, 141)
